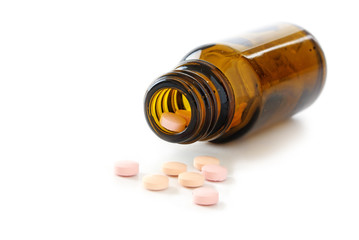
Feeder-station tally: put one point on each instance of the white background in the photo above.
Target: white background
(72, 79)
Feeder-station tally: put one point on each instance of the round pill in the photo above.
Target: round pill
(174, 168)
(155, 182)
(200, 161)
(205, 196)
(191, 179)
(126, 168)
(185, 114)
(215, 173)
(172, 122)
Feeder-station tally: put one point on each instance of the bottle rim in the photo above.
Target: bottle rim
(212, 107)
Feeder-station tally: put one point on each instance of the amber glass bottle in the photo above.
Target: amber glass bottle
(240, 85)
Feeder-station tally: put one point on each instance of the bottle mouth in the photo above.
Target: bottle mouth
(198, 88)
(173, 94)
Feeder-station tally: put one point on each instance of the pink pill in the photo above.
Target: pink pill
(214, 173)
(126, 168)
(172, 122)
(205, 196)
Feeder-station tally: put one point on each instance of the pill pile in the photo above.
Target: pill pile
(175, 122)
(210, 170)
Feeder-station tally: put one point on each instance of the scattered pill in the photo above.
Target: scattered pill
(174, 168)
(191, 179)
(205, 196)
(172, 122)
(200, 161)
(184, 114)
(155, 182)
(126, 168)
(210, 170)
(215, 173)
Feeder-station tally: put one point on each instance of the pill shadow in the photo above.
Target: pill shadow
(126, 182)
(218, 206)
(256, 146)
(168, 191)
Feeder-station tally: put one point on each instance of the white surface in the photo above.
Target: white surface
(72, 79)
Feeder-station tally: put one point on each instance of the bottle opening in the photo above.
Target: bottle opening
(170, 110)
(185, 106)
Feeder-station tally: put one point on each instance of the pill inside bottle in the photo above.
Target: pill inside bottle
(173, 122)
(171, 111)
(184, 114)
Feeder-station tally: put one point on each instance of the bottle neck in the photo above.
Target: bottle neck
(198, 87)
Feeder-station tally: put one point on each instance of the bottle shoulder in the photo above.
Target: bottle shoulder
(213, 51)
(231, 61)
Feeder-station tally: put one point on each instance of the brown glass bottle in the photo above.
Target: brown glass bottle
(241, 85)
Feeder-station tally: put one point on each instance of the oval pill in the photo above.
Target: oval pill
(174, 168)
(126, 168)
(205, 196)
(155, 182)
(200, 161)
(184, 114)
(215, 173)
(191, 179)
(172, 122)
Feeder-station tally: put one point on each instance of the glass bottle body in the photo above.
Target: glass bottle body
(254, 80)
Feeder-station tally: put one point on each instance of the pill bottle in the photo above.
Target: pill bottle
(237, 86)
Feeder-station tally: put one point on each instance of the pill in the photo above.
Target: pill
(205, 196)
(172, 122)
(185, 114)
(155, 182)
(174, 168)
(215, 173)
(191, 179)
(200, 161)
(126, 168)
